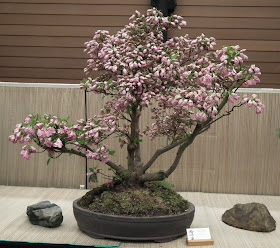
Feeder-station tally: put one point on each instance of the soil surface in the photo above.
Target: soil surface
(153, 199)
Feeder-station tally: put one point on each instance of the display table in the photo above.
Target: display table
(15, 225)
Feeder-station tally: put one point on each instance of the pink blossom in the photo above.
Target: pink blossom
(92, 155)
(25, 154)
(259, 110)
(58, 143)
(41, 133)
(233, 98)
(30, 131)
(207, 80)
(105, 159)
(50, 132)
(214, 111)
(13, 139)
(67, 130)
(39, 125)
(48, 142)
(27, 120)
(32, 149)
(26, 151)
(224, 58)
(103, 149)
(57, 122)
(200, 116)
(89, 174)
(61, 131)
(71, 136)
(27, 139)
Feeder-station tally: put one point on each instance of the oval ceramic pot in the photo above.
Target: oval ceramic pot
(158, 228)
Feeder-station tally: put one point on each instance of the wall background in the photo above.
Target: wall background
(239, 154)
(42, 42)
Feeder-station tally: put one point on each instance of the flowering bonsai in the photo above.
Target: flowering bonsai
(183, 82)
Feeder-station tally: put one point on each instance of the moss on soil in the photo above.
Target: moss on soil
(151, 200)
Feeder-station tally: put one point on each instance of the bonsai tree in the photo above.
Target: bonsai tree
(183, 82)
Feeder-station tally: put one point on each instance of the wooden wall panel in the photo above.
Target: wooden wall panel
(69, 9)
(239, 154)
(253, 155)
(15, 104)
(232, 11)
(254, 25)
(96, 2)
(57, 30)
(236, 3)
(38, 52)
(50, 35)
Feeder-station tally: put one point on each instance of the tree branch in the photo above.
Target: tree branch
(161, 175)
(227, 113)
(167, 148)
(72, 151)
(179, 154)
(159, 152)
(118, 168)
(157, 176)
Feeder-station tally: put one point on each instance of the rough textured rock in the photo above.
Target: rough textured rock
(250, 216)
(45, 214)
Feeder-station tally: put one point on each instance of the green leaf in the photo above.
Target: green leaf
(82, 142)
(97, 122)
(190, 77)
(112, 153)
(66, 119)
(50, 155)
(95, 178)
(138, 141)
(278, 133)
(175, 57)
(49, 161)
(84, 81)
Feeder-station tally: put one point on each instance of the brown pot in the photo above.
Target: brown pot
(158, 228)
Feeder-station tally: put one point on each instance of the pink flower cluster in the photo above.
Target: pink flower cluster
(99, 154)
(253, 101)
(54, 134)
(183, 80)
(26, 151)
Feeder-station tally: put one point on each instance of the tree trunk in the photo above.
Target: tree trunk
(133, 148)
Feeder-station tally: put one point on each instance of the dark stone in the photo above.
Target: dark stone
(250, 216)
(45, 214)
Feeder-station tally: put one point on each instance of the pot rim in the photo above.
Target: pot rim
(131, 218)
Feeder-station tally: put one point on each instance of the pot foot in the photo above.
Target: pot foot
(166, 240)
(93, 235)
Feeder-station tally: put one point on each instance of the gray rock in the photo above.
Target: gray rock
(250, 216)
(45, 214)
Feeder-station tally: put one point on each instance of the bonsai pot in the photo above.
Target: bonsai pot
(157, 228)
